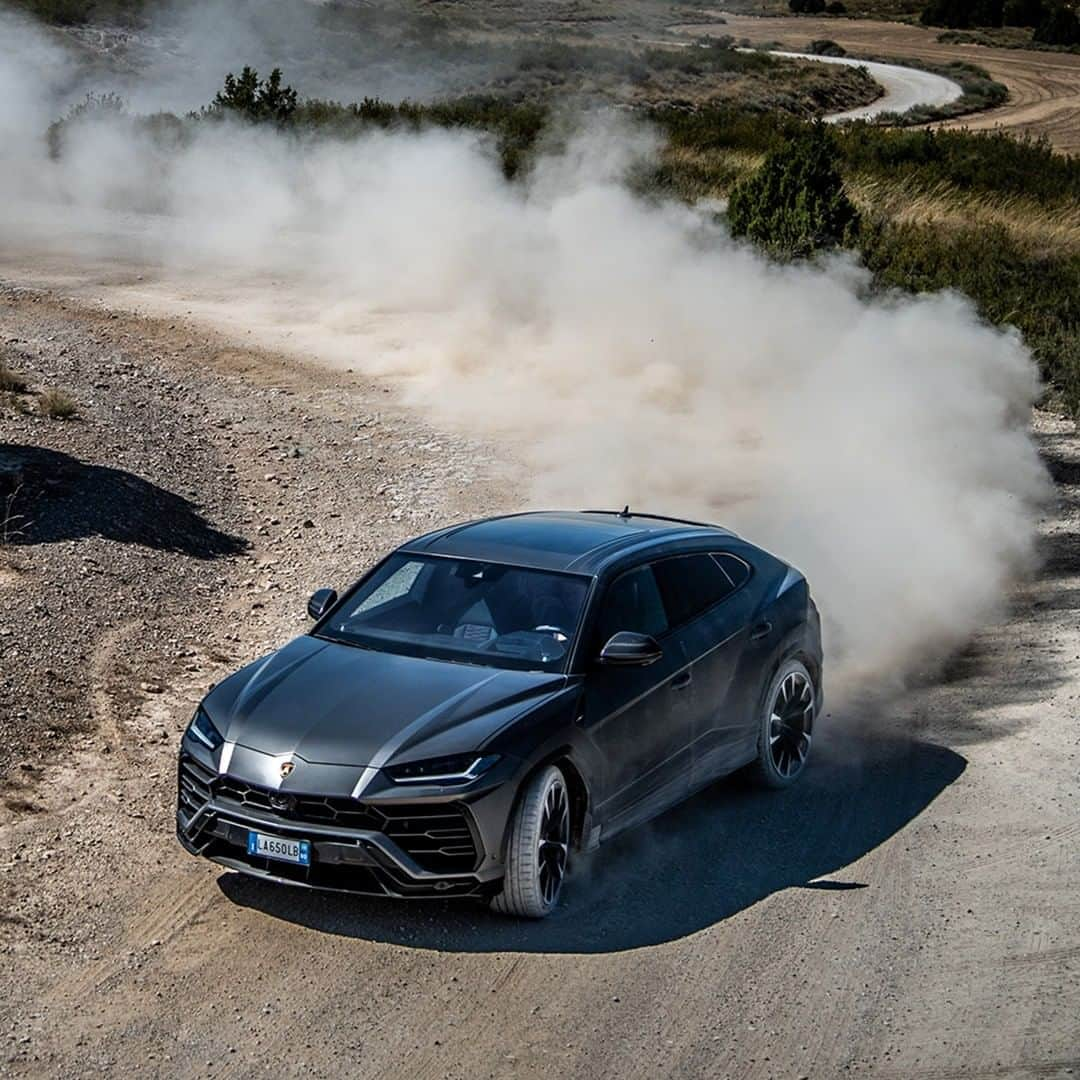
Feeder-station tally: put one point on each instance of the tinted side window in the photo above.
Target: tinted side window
(632, 603)
(734, 567)
(689, 584)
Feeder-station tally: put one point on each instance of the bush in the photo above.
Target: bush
(93, 106)
(963, 14)
(256, 100)
(965, 37)
(516, 126)
(79, 12)
(795, 204)
(835, 8)
(807, 7)
(57, 405)
(825, 47)
(1060, 27)
(58, 12)
(1024, 12)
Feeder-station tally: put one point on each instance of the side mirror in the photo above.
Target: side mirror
(321, 602)
(628, 649)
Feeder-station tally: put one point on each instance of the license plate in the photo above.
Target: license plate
(277, 847)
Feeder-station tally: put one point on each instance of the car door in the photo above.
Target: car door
(637, 718)
(710, 612)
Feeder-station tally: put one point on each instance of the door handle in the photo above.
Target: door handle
(682, 681)
(762, 630)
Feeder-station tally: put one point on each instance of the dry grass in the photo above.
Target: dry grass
(708, 173)
(11, 382)
(1038, 228)
(57, 405)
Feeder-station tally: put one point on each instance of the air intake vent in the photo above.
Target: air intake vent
(436, 835)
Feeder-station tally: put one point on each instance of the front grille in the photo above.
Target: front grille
(436, 835)
(315, 809)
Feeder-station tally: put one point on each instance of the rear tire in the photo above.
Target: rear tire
(537, 848)
(785, 725)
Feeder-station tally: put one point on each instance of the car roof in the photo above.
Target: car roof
(581, 542)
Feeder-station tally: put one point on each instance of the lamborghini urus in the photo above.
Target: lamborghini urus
(493, 697)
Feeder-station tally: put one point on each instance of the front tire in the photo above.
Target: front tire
(786, 725)
(537, 848)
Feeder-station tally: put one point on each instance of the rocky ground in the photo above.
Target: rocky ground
(911, 909)
(173, 528)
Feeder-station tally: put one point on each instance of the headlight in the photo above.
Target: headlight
(202, 728)
(445, 770)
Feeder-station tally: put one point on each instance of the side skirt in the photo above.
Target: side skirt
(657, 802)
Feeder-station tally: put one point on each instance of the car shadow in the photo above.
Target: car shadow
(704, 861)
(47, 496)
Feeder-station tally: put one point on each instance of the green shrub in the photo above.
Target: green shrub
(516, 126)
(1061, 26)
(964, 37)
(963, 14)
(1024, 12)
(79, 12)
(254, 99)
(826, 47)
(795, 204)
(58, 12)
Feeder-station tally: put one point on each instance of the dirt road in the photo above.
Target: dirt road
(1044, 87)
(911, 909)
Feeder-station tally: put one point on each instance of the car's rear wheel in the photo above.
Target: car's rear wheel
(537, 848)
(786, 725)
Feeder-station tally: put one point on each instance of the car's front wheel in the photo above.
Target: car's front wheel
(786, 725)
(537, 847)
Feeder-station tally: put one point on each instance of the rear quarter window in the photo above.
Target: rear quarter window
(737, 570)
(690, 584)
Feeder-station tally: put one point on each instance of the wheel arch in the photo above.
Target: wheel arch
(576, 786)
(811, 663)
(795, 646)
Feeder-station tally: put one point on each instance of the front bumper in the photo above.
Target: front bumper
(433, 850)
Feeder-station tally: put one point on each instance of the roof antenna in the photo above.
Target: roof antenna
(625, 512)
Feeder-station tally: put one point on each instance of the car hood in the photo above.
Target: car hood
(337, 704)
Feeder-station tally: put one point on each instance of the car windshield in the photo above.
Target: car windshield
(464, 610)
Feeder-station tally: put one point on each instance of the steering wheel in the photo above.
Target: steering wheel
(557, 632)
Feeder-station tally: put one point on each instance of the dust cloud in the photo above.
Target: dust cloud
(628, 351)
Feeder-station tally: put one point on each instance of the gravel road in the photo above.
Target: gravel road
(912, 909)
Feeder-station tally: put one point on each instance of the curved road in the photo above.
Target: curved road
(905, 87)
